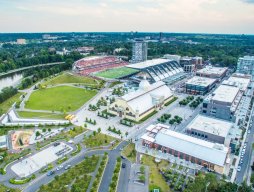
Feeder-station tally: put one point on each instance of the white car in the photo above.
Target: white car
(239, 168)
(59, 167)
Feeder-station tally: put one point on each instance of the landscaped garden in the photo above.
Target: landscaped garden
(62, 98)
(76, 179)
(196, 102)
(116, 72)
(130, 153)
(156, 180)
(99, 139)
(40, 115)
(186, 101)
(114, 181)
(6, 105)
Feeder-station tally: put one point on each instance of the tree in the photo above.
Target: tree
(49, 130)
(94, 133)
(37, 134)
(44, 130)
(99, 130)
(126, 134)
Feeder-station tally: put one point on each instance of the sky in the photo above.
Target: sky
(187, 16)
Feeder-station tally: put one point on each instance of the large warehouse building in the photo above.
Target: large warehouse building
(88, 65)
(212, 156)
(159, 69)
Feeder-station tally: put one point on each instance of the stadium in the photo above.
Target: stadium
(89, 65)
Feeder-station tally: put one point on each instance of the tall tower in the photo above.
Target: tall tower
(139, 51)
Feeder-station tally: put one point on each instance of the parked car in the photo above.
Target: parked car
(67, 167)
(123, 165)
(122, 157)
(239, 168)
(59, 167)
(50, 173)
(56, 144)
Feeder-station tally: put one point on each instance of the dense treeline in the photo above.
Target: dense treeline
(212, 184)
(6, 93)
(35, 74)
(218, 49)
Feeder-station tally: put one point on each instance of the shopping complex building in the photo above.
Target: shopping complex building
(223, 102)
(199, 85)
(140, 103)
(212, 156)
(158, 70)
(213, 72)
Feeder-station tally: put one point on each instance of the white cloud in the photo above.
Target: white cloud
(214, 16)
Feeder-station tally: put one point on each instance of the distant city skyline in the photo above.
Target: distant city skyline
(187, 16)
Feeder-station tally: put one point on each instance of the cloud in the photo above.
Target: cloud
(213, 16)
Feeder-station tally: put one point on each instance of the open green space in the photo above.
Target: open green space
(98, 139)
(6, 105)
(116, 72)
(155, 178)
(129, 152)
(62, 98)
(76, 179)
(70, 78)
(40, 115)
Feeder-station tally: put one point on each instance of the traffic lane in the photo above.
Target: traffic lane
(124, 177)
(245, 165)
(44, 179)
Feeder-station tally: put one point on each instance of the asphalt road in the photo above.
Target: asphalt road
(246, 159)
(113, 154)
(124, 177)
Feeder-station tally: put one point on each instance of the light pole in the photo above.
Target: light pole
(207, 186)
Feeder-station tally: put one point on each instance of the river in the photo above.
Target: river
(10, 80)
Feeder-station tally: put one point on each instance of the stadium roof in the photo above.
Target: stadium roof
(148, 63)
(201, 149)
(201, 81)
(210, 125)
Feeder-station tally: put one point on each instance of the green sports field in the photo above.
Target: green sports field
(116, 72)
(62, 98)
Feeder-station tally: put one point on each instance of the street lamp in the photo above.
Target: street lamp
(207, 186)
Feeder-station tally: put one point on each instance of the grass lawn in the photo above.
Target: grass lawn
(69, 78)
(130, 152)
(63, 98)
(4, 189)
(98, 140)
(27, 114)
(155, 178)
(116, 72)
(5, 106)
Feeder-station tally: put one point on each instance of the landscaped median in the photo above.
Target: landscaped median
(115, 177)
(78, 146)
(21, 181)
(100, 173)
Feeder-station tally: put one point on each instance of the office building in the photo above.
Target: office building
(245, 65)
(213, 72)
(223, 102)
(139, 51)
(199, 85)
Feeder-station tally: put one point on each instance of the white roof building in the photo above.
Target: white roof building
(212, 71)
(225, 93)
(201, 81)
(211, 152)
(3, 141)
(241, 81)
(210, 125)
(145, 97)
